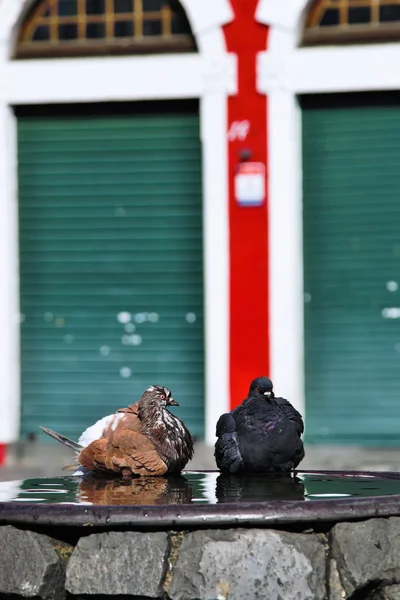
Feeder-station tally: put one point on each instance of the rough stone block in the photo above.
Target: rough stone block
(241, 564)
(391, 592)
(29, 565)
(118, 563)
(367, 553)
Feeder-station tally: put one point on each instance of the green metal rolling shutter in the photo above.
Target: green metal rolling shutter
(351, 162)
(111, 266)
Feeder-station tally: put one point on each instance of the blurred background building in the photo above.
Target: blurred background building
(197, 193)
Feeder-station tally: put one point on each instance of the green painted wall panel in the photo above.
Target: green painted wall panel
(110, 222)
(351, 189)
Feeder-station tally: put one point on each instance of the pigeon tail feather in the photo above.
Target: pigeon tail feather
(62, 439)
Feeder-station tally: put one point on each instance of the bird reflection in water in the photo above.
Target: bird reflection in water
(174, 489)
(259, 487)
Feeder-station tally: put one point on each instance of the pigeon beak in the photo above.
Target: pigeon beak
(267, 394)
(172, 402)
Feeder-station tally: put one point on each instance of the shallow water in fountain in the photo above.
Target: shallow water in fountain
(200, 488)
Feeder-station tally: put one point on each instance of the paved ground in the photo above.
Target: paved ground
(46, 460)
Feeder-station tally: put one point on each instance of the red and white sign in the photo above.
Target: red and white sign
(239, 130)
(250, 184)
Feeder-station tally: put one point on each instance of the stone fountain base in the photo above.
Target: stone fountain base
(64, 540)
(349, 560)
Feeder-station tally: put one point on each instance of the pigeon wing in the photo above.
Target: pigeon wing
(126, 451)
(143, 458)
(291, 413)
(227, 452)
(92, 454)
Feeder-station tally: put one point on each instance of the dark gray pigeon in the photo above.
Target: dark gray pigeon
(262, 435)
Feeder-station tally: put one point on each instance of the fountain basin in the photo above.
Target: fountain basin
(201, 499)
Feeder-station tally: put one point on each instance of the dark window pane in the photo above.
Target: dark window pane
(331, 17)
(180, 24)
(123, 29)
(95, 7)
(42, 34)
(123, 6)
(153, 5)
(68, 32)
(360, 14)
(67, 8)
(389, 13)
(95, 31)
(152, 28)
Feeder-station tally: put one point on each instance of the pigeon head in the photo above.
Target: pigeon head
(261, 386)
(168, 433)
(159, 394)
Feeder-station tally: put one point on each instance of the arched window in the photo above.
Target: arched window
(88, 27)
(351, 21)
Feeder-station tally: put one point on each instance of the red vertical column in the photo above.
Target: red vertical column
(247, 139)
(3, 454)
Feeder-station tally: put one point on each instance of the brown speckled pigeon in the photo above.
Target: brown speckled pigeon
(142, 439)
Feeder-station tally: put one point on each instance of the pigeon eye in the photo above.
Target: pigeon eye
(162, 396)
